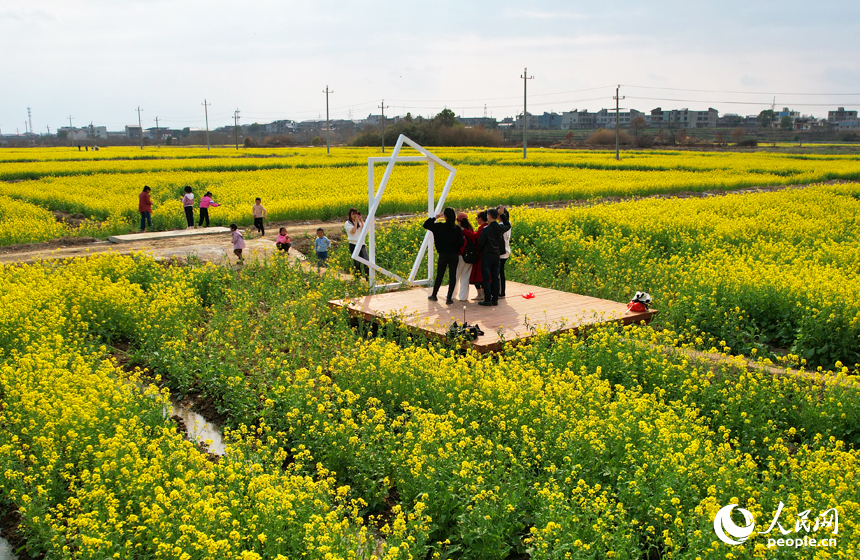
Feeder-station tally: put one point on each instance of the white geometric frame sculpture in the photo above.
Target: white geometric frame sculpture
(368, 231)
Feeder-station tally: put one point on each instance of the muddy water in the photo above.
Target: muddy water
(6, 550)
(199, 429)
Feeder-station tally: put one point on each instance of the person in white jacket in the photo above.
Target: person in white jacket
(506, 255)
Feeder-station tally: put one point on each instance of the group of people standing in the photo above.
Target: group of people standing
(144, 207)
(471, 256)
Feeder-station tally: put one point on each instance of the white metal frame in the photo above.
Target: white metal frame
(368, 231)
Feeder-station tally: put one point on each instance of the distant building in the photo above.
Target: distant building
(532, 122)
(605, 118)
(132, 132)
(281, 127)
(840, 115)
(684, 118)
(549, 121)
(578, 119)
(507, 122)
(730, 120)
(85, 133)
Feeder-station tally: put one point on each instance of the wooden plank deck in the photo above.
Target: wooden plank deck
(513, 319)
(170, 234)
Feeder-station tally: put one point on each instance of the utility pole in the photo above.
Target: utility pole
(30, 118)
(236, 124)
(140, 124)
(383, 107)
(617, 100)
(327, 127)
(71, 131)
(157, 134)
(93, 134)
(526, 79)
(206, 110)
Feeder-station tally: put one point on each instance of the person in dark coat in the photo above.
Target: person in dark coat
(491, 245)
(448, 238)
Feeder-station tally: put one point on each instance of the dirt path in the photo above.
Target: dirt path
(212, 248)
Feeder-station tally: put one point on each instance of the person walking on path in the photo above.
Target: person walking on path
(322, 245)
(259, 213)
(491, 244)
(238, 242)
(506, 254)
(353, 226)
(205, 203)
(448, 238)
(144, 206)
(469, 248)
(188, 206)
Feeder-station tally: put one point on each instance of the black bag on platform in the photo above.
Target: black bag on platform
(470, 253)
(464, 331)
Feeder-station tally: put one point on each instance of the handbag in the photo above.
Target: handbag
(470, 253)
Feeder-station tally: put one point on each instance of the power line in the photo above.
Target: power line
(785, 103)
(496, 98)
(738, 92)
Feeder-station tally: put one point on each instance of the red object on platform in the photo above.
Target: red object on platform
(528, 295)
(636, 306)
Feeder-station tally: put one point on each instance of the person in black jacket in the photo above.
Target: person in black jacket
(491, 245)
(448, 238)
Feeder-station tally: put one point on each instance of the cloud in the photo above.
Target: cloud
(552, 15)
(29, 15)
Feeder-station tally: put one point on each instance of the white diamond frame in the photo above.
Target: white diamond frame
(368, 231)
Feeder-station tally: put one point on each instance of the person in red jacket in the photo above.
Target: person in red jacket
(464, 269)
(476, 277)
(144, 206)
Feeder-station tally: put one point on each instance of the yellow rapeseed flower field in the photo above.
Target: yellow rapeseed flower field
(605, 446)
(307, 183)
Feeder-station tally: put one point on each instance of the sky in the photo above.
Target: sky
(99, 60)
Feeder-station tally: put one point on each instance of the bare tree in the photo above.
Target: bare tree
(638, 125)
(738, 134)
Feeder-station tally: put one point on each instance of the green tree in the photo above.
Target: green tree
(765, 118)
(786, 123)
(445, 118)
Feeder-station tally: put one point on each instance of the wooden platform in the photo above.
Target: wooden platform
(515, 318)
(153, 235)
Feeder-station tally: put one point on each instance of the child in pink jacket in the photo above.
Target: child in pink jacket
(205, 203)
(238, 242)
